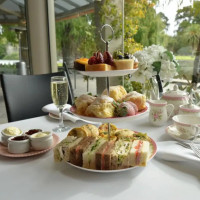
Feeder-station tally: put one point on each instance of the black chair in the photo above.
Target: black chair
(25, 95)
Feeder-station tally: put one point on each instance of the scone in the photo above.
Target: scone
(101, 107)
(136, 98)
(84, 131)
(83, 102)
(116, 92)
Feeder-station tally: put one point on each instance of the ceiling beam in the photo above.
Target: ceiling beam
(72, 3)
(18, 3)
(60, 7)
(10, 12)
(74, 15)
(75, 12)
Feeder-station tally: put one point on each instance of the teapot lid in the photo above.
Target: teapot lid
(175, 92)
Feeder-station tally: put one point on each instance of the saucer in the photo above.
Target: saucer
(174, 133)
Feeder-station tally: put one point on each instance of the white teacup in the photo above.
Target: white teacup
(187, 125)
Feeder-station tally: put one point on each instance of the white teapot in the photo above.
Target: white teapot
(176, 97)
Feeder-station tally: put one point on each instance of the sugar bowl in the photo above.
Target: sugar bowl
(190, 109)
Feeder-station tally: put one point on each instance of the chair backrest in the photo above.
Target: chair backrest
(25, 95)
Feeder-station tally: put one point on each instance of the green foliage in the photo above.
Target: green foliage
(8, 34)
(126, 83)
(76, 34)
(13, 56)
(2, 50)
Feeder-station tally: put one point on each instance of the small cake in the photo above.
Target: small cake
(80, 63)
(124, 64)
(98, 67)
(136, 98)
(101, 107)
(82, 102)
(116, 92)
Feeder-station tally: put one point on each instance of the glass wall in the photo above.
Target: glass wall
(13, 37)
(174, 25)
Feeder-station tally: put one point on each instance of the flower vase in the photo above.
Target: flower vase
(151, 89)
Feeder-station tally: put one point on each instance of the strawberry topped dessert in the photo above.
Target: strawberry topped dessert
(100, 62)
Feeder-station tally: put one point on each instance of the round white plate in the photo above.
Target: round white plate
(112, 119)
(108, 73)
(174, 133)
(53, 116)
(153, 150)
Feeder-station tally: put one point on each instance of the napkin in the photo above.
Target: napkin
(51, 108)
(172, 151)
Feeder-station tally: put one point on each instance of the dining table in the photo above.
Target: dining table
(40, 177)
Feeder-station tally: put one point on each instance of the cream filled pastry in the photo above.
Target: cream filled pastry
(83, 102)
(102, 107)
(116, 92)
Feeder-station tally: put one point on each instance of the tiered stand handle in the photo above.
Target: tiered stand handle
(107, 78)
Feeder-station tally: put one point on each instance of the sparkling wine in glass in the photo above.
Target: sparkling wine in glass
(59, 94)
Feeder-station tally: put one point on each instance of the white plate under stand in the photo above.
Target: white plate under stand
(110, 73)
(112, 119)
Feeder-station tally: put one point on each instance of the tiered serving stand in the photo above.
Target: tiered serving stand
(107, 75)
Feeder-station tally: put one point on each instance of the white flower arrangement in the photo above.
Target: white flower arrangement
(155, 60)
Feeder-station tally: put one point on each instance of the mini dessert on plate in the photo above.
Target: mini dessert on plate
(100, 62)
(101, 107)
(136, 98)
(82, 102)
(80, 64)
(123, 62)
(116, 92)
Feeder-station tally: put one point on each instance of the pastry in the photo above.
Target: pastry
(136, 98)
(82, 102)
(85, 131)
(101, 107)
(116, 92)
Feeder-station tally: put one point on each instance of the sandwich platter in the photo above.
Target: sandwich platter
(110, 120)
(110, 73)
(153, 150)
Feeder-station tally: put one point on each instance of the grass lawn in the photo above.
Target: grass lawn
(185, 57)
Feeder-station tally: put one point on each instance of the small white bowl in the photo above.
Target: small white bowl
(41, 140)
(187, 125)
(18, 144)
(32, 131)
(5, 134)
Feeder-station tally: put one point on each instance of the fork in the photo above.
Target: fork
(195, 149)
(191, 146)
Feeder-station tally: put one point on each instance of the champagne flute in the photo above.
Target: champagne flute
(59, 94)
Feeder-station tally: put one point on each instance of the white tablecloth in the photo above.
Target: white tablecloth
(40, 178)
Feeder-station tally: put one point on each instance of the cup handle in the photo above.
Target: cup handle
(170, 109)
(197, 128)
